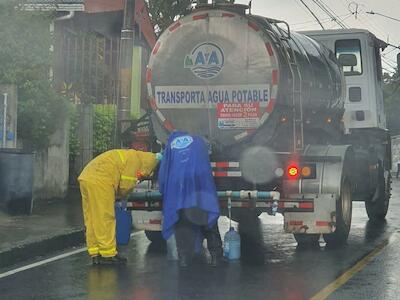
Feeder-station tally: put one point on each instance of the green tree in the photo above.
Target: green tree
(25, 60)
(104, 122)
(391, 94)
(164, 12)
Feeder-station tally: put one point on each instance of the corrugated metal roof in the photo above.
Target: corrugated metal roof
(60, 5)
(55, 1)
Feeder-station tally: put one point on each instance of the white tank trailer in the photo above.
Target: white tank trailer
(297, 115)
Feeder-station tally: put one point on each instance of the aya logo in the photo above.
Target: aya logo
(205, 61)
(181, 142)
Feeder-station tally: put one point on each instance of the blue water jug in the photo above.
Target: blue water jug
(123, 218)
(232, 244)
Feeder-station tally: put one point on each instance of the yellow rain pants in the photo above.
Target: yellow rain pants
(111, 174)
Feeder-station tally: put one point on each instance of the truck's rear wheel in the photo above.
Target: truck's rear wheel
(343, 217)
(378, 206)
(154, 236)
(306, 240)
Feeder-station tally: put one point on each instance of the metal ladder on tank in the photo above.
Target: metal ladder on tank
(283, 43)
(298, 133)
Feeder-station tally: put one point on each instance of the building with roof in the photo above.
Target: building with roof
(87, 49)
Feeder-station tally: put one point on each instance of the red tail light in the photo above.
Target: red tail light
(293, 171)
(302, 170)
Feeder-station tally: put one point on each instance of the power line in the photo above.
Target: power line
(312, 13)
(337, 17)
(329, 12)
(379, 14)
(325, 20)
(388, 59)
(300, 5)
(345, 18)
(373, 28)
(389, 65)
(376, 27)
(394, 48)
(369, 22)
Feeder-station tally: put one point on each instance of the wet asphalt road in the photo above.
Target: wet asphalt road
(272, 267)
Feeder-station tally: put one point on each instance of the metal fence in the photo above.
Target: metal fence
(90, 66)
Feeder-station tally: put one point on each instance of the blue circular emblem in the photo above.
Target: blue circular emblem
(181, 142)
(205, 61)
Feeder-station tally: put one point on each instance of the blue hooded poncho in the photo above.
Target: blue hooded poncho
(186, 181)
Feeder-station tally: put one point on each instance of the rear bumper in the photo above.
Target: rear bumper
(303, 213)
(261, 201)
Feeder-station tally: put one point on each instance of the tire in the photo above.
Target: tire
(306, 240)
(377, 207)
(154, 236)
(343, 217)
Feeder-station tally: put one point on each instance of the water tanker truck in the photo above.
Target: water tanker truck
(295, 121)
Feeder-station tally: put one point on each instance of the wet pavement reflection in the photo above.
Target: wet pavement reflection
(271, 267)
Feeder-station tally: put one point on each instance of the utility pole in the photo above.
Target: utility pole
(125, 69)
(398, 62)
(5, 120)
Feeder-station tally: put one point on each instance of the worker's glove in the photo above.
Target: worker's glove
(159, 156)
(139, 175)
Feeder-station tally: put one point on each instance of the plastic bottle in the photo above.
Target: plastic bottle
(232, 244)
(172, 251)
(226, 245)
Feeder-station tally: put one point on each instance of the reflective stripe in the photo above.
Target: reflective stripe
(123, 177)
(296, 223)
(109, 253)
(93, 251)
(121, 156)
(227, 174)
(225, 164)
(322, 223)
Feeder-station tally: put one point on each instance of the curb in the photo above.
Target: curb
(40, 248)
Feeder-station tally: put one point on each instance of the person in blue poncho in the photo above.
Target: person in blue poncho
(190, 202)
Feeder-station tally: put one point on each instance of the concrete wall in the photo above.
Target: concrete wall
(51, 167)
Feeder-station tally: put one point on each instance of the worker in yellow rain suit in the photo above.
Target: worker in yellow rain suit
(109, 175)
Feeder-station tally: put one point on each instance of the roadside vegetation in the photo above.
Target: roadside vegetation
(26, 60)
(391, 94)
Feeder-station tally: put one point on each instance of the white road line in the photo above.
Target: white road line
(42, 262)
(51, 259)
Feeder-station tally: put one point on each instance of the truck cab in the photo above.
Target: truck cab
(358, 51)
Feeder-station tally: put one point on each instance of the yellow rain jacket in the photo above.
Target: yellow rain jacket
(109, 175)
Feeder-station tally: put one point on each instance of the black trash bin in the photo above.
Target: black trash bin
(16, 181)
